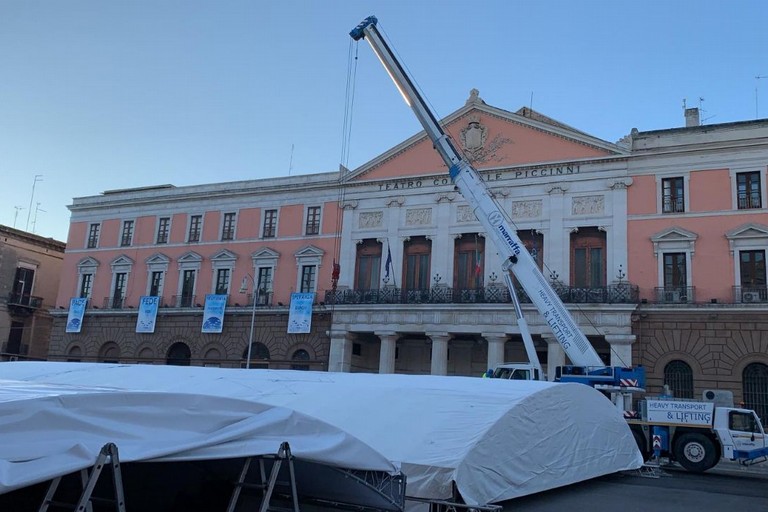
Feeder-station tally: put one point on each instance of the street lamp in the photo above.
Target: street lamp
(243, 289)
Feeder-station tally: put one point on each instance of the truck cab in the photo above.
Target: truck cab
(517, 371)
(741, 434)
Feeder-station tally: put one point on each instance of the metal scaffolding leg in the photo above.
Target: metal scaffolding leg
(267, 487)
(108, 453)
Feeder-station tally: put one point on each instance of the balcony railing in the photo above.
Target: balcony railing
(184, 301)
(612, 294)
(114, 303)
(675, 294)
(25, 300)
(750, 294)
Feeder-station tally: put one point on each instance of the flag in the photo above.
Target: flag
(478, 259)
(388, 264)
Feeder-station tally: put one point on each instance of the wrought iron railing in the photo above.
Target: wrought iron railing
(750, 294)
(114, 302)
(183, 301)
(675, 294)
(613, 294)
(25, 299)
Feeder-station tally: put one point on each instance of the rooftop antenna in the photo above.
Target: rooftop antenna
(290, 162)
(38, 177)
(34, 221)
(16, 214)
(701, 109)
(757, 83)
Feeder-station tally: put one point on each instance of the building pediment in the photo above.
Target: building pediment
(309, 251)
(122, 260)
(745, 231)
(490, 138)
(224, 255)
(88, 262)
(190, 257)
(673, 234)
(157, 259)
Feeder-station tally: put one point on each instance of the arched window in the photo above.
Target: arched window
(146, 356)
(755, 382)
(300, 355)
(259, 352)
(109, 353)
(75, 354)
(178, 355)
(679, 377)
(213, 358)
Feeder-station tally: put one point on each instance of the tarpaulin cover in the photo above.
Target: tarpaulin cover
(495, 439)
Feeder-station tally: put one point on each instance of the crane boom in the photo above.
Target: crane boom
(490, 215)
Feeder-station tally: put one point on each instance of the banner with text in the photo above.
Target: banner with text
(76, 314)
(147, 314)
(213, 314)
(300, 314)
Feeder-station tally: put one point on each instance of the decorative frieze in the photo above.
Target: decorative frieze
(526, 209)
(418, 217)
(588, 205)
(371, 220)
(465, 214)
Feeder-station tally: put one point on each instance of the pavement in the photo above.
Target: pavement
(726, 467)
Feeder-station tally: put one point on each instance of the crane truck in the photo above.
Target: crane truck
(694, 433)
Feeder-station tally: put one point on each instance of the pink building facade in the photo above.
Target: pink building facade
(655, 243)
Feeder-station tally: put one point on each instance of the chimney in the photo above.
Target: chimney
(692, 117)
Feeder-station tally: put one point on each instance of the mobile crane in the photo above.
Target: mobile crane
(587, 366)
(696, 434)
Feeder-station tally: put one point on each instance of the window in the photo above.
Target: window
(308, 278)
(672, 195)
(187, 297)
(675, 271)
(752, 275)
(86, 286)
(313, 220)
(93, 236)
(163, 229)
(222, 281)
(755, 382)
(679, 377)
(156, 283)
(195, 228)
(469, 253)
(368, 265)
(300, 355)
(228, 227)
(118, 290)
(22, 286)
(127, 236)
(748, 190)
(264, 286)
(270, 224)
(109, 353)
(417, 252)
(178, 355)
(588, 248)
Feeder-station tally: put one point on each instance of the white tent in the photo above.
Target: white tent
(493, 439)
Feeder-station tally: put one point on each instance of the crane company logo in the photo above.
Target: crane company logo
(495, 219)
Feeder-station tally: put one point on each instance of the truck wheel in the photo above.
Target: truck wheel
(695, 452)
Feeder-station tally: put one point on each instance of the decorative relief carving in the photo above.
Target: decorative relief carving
(445, 196)
(396, 201)
(500, 192)
(619, 183)
(587, 205)
(349, 205)
(371, 219)
(526, 209)
(465, 214)
(557, 188)
(418, 217)
(474, 138)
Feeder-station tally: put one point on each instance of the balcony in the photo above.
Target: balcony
(750, 294)
(184, 301)
(23, 304)
(614, 294)
(675, 295)
(114, 303)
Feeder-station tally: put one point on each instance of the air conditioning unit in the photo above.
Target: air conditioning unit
(720, 397)
(750, 297)
(672, 296)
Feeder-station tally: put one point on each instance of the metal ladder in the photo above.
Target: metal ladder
(88, 481)
(267, 487)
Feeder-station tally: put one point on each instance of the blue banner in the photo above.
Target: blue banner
(147, 314)
(76, 314)
(300, 314)
(213, 314)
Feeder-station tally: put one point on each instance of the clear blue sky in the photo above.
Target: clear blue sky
(98, 95)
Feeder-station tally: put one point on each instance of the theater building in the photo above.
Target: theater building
(639, 238)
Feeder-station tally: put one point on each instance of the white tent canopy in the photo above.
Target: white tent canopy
(493, 439)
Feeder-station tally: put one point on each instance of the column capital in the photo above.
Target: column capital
(620, 339)
(438, 336)
(494, 336)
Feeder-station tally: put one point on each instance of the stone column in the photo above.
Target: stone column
(387, 351)
(555, 355)
(340, 356)
(439, 353)
(621, 348)
(495, 348)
